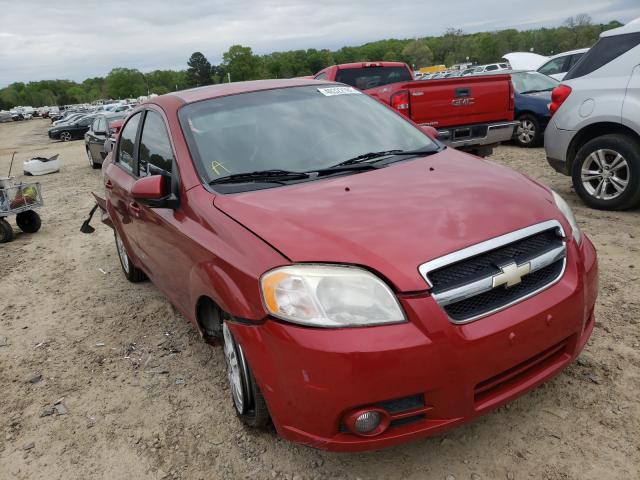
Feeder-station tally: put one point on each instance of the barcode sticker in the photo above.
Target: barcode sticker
(331, 91)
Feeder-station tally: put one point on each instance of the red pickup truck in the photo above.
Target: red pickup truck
(470, 113)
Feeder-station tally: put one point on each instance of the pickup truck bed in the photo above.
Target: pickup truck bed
(470, 113)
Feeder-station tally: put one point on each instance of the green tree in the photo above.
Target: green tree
(241, 63)
(418, 54)
(199, 71)
(125, 83)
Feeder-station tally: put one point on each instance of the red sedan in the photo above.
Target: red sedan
(370, 286)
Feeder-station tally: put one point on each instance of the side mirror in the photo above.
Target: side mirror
(153, 192)
(429, 131)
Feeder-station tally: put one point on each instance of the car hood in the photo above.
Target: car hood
(393, 219)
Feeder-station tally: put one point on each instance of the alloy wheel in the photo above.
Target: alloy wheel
(605, 174)
(234, 369)
(65, 136)
(122, 253)
(526, 131)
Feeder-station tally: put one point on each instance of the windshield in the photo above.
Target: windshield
(296, 129)
(532, 82)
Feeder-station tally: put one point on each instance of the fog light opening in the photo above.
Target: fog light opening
(368, 422)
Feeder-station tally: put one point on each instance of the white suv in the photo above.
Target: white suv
(594, 132)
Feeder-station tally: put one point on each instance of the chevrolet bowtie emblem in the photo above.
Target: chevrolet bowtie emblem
(511, 274)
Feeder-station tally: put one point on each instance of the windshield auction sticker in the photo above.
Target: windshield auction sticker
(332, 91)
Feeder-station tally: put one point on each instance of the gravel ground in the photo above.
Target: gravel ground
(102, 379)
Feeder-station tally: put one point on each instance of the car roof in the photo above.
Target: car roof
(225, 89)
(570, 52)
(632, 27)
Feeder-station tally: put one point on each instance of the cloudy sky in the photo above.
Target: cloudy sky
(44, 39)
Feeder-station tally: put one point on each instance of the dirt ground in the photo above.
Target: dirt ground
(103, 379)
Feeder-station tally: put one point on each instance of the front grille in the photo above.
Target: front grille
(469, 284)
(486, 263)
(497, 297)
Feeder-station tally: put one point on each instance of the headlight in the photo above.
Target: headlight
(568, 214)
(329, 296)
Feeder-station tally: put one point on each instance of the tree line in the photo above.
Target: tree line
(240, 63)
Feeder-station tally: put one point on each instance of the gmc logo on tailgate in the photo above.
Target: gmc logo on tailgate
(461, 102)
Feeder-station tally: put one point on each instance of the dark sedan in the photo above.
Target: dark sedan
(71, 131)
(532, 98)
(99, 131)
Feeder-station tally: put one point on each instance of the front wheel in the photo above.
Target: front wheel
(65, 136)
(29, 221)
(528, 133)
(606, 172)
(92, 164)
(248, 402)
(6, 231)
(131, 272)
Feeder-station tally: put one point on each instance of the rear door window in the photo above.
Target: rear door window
(604, 51)
(126, 149)
(155, 155)
(372, 77)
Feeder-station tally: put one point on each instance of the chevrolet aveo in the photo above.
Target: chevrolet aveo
(369, 285)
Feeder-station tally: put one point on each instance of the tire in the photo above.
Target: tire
(6, 231)
(92, 164)
(131, 272)
(528, 134)
(29, 221)
(65, 136)
(606, 172)
(248, 402)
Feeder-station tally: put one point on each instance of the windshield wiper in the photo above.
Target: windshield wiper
(536, 91)
(270, 176)
(385, 153)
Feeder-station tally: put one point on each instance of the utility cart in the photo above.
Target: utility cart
(21, 200)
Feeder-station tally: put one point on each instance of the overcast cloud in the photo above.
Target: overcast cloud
(74, 40)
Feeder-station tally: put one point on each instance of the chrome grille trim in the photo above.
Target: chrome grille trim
(483, 285)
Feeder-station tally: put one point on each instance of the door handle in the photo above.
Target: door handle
(108, 184)
(134, 207)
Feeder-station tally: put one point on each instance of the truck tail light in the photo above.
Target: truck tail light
(558, 96)
(511, 97)
(400, 101)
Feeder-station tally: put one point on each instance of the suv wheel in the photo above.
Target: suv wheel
(606, 172)
(528, 133)
(247, 399)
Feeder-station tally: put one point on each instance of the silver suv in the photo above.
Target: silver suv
(594, 132)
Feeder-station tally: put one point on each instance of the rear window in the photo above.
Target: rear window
(603, 52)
(372, 77)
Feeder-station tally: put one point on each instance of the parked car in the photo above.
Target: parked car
(473, 113)
(492, 67)
(67, 117)
(560, 64)
(370, 286)
(532, 98)
(99, 131)
(594, 133)
(71, 131)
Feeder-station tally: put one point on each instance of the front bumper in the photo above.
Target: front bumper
(311, 377)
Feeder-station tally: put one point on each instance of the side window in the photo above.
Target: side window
(322, 76)
(155, 155)
(604, 51)
(95, 126)
(554, 66)
(491, 68)
(575, 58)
(102, 125)
(126, 147)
